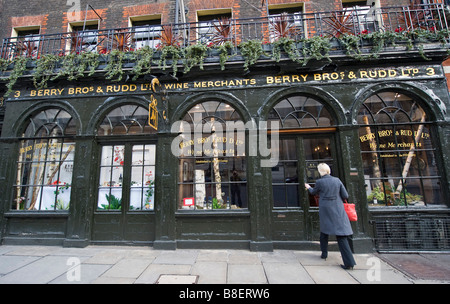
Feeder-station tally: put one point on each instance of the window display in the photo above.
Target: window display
(212, 173)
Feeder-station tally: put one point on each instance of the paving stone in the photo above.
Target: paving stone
(246, 274)
(243, 257)
(287, 273)
(11, 263)
(330, 275)
(210, 272)
(128, 268)
(40, 271)
(182, 257)
(88, 273)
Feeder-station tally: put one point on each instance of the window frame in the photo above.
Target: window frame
(186, 169)
(38, 122)
(380, 133)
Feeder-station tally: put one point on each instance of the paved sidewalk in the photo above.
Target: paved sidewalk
(136, 265)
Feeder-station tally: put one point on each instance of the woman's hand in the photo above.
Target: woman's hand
(307, 186)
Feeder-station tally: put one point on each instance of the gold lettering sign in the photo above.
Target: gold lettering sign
(321, 77)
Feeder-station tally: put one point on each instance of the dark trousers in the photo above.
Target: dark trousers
(345, 244)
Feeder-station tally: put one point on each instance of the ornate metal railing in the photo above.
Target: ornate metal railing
(419, 19)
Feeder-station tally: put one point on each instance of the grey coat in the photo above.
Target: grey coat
(333, 218)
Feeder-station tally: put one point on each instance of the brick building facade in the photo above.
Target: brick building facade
(110, 154)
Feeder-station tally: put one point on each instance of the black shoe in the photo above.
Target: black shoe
(324, 256)
(346, 267)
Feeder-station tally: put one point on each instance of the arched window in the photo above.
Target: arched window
(398, 153)
(212, 160)
(127, 170)
(45, 163)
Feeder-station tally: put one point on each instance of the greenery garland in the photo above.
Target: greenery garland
(195, 55)
(20, 66)
(73, 66)
(114, 67)
(251, 50)
(170, 52)
(144, 59)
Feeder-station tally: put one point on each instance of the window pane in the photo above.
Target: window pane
(110, 198)
(279, 196)
(111, 178)
(278, 174)
(142, 178)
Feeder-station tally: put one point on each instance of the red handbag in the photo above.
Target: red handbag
(351, 211)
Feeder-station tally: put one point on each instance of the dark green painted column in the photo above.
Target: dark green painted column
(443, 130)
(6, 161)
(260, 198)
(165, 193)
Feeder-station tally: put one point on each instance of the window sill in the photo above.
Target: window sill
(43, 214)
(218, 213)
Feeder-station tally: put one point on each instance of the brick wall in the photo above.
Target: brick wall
(52, 15)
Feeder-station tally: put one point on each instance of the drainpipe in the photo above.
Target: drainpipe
(177, 10)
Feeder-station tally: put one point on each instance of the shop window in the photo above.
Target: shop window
(127, 171)
(45, 162)
(299, 116)
(212, 163)
(398, 152)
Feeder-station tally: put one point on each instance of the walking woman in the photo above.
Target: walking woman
(333, 218)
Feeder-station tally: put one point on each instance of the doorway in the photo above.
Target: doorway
(295, 211)
(125, 197)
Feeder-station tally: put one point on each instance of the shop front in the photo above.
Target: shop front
(89, 166)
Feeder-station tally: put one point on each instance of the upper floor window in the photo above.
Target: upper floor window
(360, 16)
(215, 26)
(286, 21)
(27, 43)
(146, 31)
(45, 162)
(83, 36)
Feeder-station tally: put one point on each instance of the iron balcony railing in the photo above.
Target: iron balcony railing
(357, 21)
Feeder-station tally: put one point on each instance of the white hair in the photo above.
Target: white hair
(323, 169)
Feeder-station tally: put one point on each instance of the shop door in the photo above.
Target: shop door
(296, 212)
(125, 194)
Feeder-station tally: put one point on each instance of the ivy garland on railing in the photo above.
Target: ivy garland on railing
(74, 66)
